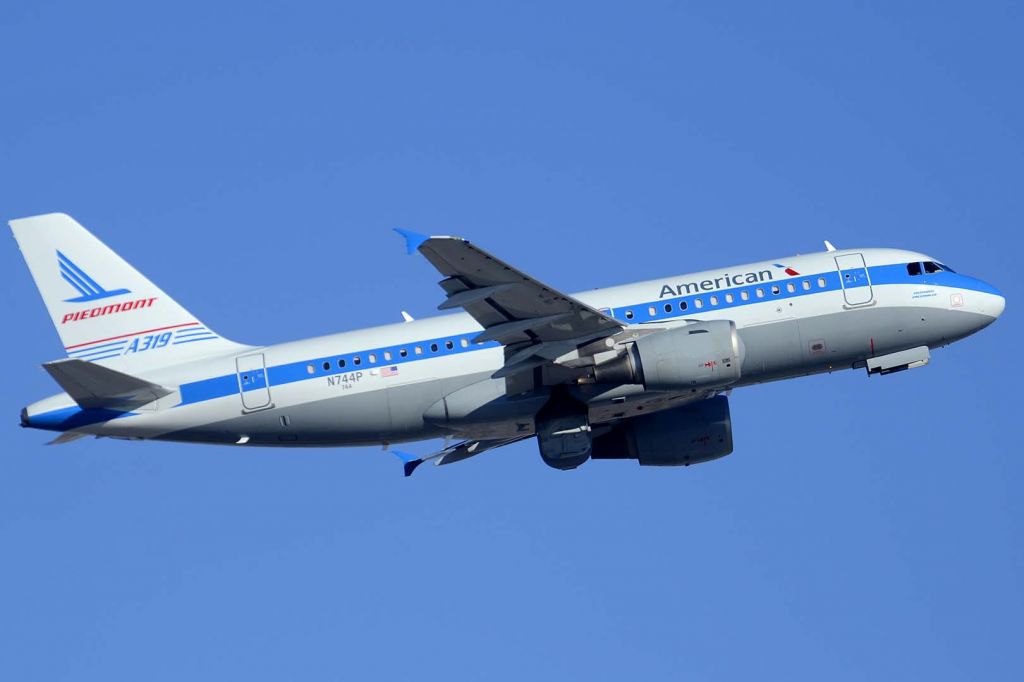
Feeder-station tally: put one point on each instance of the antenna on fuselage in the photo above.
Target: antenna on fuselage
(828, 246)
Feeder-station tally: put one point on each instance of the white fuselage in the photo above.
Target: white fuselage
(796, 316)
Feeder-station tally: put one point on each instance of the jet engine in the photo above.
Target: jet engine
(691, 434)
(698, 355)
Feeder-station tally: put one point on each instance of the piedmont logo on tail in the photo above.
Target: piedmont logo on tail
(87, 287)
(605, 374)
(91, 291)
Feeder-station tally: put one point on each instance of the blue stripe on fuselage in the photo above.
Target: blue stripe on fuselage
(223, 386)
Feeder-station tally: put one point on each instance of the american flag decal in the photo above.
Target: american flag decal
(391, 371)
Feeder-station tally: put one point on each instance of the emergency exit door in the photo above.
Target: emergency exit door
(253, 385)
(853, 275)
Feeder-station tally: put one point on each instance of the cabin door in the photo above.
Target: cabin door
(253, 385)
(853, 275)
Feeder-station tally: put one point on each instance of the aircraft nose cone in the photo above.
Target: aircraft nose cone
(985, 298)
(999, 306)
(995, 302)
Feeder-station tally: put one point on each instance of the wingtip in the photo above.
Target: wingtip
(409, 463)
(413, 240)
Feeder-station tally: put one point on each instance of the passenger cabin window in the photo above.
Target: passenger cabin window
(913, 269)
(433, 348)
(651, 311)
(449, 345)
(357, 360)
(790, 287)
(714, 300)
(310, 369)
(806, 285)
(629, 314)
(821, 282)
(760, 292)
(403, 353)
(327, 366)
(387, 355)
(668, 307)
(371, 358)
(464, 343)
(776, 290)
(728, 298)
(418, 350)
(341, 363)
(682, 305)
(745, 295)
(698, 303)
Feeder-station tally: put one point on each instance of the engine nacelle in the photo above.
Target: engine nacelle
(691, 434)
(563, 431)
(698, 355)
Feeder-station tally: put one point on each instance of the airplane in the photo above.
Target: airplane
(641, 371)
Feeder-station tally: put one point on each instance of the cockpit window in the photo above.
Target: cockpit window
(914, 269)
(931, 266)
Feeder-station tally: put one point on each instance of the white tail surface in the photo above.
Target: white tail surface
(104, 310)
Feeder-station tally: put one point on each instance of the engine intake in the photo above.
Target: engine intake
(698, 355)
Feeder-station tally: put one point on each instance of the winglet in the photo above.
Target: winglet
(409, 463)
(412, 239)
(828, 246)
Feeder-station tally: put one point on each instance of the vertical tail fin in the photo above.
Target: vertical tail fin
(104, 309)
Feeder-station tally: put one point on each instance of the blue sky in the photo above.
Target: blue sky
(253, 160)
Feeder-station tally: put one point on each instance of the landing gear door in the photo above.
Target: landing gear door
(853, 275)
(253, 385)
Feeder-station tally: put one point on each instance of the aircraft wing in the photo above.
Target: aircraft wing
(456, 453)
(516, 310)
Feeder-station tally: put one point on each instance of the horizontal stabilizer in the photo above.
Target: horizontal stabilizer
(95, 386)
(67, 437)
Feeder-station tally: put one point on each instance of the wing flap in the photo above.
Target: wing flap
(507, 332)
(463, 298)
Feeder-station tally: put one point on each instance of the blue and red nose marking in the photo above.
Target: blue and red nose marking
(789, 271)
